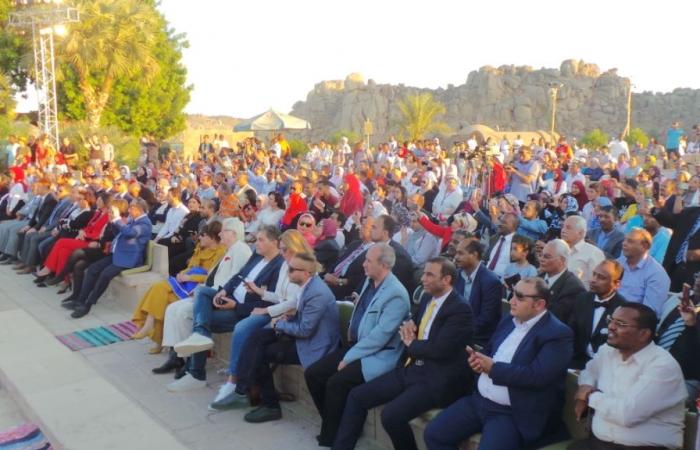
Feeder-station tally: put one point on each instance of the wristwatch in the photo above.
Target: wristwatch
(341, 282)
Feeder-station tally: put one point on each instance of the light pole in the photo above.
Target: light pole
(628, 125)
(553, 92)
(45, 18)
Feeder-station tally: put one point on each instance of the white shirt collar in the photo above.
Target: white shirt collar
(528, 324)
(551, 279)
(440, 300)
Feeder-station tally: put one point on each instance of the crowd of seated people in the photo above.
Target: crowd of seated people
(475, 295)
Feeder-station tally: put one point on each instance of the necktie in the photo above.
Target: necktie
(426, 318)
(342, 268)
(597, 304)
(680, 257)
(669, 337)
(424, 323)
(496, 255)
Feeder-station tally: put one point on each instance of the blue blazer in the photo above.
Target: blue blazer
(316, 325)
(535, 377)
(129, 245)
(378, 345)
(485, 299)
(266, 277)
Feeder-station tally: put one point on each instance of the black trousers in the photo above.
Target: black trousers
(405, 394)
(330, 388)
(264, 347)
(97, 278)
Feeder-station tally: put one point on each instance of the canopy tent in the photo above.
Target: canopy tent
(272, 121)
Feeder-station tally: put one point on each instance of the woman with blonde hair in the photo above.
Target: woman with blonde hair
(150, 313)
(282, 300)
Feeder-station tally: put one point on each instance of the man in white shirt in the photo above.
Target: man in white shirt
(574, 174)
(521, 372)
(448, 199)
(499, 254)
(584, 256)
(635, 387)
(618, 147)
(173, 219)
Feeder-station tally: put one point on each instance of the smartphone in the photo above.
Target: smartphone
(685, 297)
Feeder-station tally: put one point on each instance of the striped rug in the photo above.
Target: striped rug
(24, 437)
(97, 337)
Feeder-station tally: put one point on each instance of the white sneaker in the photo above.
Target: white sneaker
(186, 383)
(225, 390)
(194, 344)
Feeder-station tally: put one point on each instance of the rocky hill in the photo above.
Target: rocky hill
(506, 98)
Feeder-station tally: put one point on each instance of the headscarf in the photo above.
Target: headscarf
(337, 180)
(306, 232)
(352, 199)
(558, 180)
(581, 198)
(328, 229)
(296, 206)
(571, 205)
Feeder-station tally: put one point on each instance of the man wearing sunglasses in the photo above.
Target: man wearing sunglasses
(635, 387)
(519, 395)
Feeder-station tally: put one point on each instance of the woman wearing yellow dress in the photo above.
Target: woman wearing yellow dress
(150, 313)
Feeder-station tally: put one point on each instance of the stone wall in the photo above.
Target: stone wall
(506, 98)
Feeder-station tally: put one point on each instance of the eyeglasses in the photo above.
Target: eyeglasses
(305, 224)
(520, 296)
(296, 269)
(619, 323)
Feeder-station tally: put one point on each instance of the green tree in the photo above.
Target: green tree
(637, 135)
(594, 139)
(419, 116)
(12, 48)
(113, 40)
(7, 100)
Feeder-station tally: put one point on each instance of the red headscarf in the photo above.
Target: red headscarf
(352, 199)
(582, 197)
(297, 205)
(558, 180)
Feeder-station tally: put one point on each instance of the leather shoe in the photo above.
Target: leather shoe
(40, 279)
(69, 299)
(53, 281)
(42, 284)
(25, 271)
(65, 289)
(70, 305)
(173, 363)
(19, 266)
(80, 311)
(263, 414)
(180, 372)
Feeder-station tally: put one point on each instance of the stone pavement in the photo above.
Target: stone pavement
(127, 366)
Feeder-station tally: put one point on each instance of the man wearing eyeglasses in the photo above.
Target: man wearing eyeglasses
(519, 395)
(304, 338)
(634, 386)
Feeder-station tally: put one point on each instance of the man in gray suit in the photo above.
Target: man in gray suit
(374, 344)
(607, 238)
(304, 338)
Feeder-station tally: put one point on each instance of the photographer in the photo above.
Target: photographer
(523, 175)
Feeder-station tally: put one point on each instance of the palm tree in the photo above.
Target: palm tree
(419, 114)
(114, 38)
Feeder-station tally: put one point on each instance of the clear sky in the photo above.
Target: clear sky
(247, 56)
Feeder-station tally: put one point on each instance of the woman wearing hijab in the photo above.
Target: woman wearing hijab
(556, 185)
(578, 191)
(296, 205)
(306, 225)
(327, 249)
(352, 196)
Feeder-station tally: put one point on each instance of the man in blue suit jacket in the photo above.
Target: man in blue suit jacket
(520, 391)
(128, 250)
(374, 345)
(219, 311)
(480, 287)
(304, 338)
(434, 374)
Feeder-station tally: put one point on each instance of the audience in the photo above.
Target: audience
(564, 285)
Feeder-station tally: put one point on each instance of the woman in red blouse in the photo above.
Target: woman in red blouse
(61, 251)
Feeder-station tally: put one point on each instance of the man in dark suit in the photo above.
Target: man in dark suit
(434, 374)
(520, 392)
(480, 287)
(682, 258)
(607, 238)
(36, 221)
(348, 274)
(591, 308)
(564, 286)
(128, 251)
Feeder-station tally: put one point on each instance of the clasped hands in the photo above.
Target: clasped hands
(408, 332)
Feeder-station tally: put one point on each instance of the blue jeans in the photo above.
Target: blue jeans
(241, 333)
(208, 320)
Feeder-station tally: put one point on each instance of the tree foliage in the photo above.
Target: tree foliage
(420, 114)
(637, 135)
(12, 48)
(122, 66)
(595, 139)
(7, 100)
